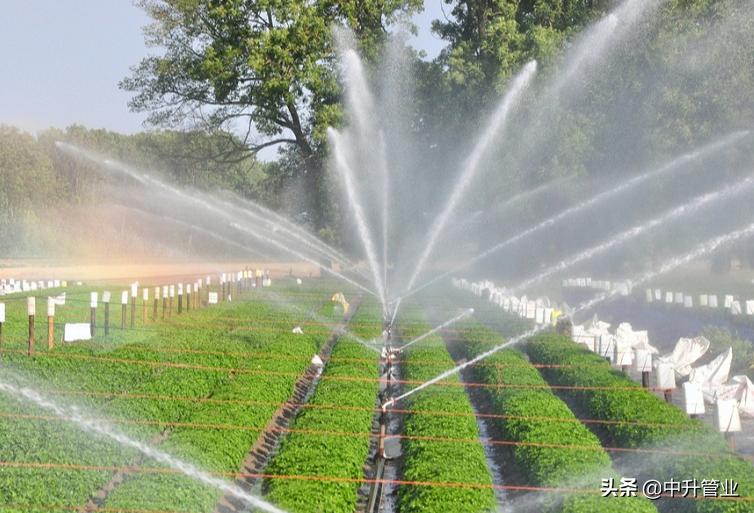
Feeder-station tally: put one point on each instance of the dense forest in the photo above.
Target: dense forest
(231, 78)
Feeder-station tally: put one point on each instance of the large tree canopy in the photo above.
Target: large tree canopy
(488, 40)
(265, 67)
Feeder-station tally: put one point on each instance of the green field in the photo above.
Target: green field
(203, 386)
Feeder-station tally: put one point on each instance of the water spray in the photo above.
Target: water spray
(496, 124)
(194, 199)
(346, 173)
(668, 216)
(442, 326)
(701, 250)
(317, 242)
(89, 425)
(673, 165)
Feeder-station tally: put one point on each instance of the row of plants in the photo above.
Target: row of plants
(334, 462)
(686, 449)
(234, 424)
(65, 376)
(549, 446)
(426, 457)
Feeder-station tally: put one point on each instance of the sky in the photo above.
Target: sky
(61, 61)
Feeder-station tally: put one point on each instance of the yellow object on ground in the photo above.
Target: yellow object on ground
(338, 297)
(555, 315)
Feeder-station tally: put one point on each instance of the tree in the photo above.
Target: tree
(489, 40)
(263, 66)
(27, 181)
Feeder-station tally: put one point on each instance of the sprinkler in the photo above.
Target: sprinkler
(387, 404)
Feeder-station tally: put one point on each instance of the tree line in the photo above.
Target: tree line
(248, 75)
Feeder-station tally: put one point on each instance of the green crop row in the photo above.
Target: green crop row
(217, 449)
(687, 449)
(71, 373)
(336, 458)
(427, 459)
(555, 449)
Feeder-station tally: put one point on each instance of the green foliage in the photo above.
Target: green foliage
(135, 361)
(27, 181)
(305, 454)
(534, 416)
(39, 184)
(267, 65)
(663, 426)
(721, 339)
(432, 460)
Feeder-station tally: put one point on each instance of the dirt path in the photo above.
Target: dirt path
(268, 441)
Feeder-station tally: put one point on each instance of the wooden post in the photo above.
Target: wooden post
(170, 303)
(50, 323)
(123, 308)
(180, 298)
(156, 300)
(668, 394)
(93, 317)
(164, 301)
(145, 300)
(188, 297)
(645, 379)
(31, 310)
(106, 302)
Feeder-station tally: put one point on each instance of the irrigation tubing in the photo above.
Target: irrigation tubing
(277, 357)
(339, 479)
(338, 407)
(361, 379)
(368, 434)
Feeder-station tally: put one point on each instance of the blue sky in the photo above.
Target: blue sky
(61, 61)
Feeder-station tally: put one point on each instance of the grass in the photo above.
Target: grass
(230, 353)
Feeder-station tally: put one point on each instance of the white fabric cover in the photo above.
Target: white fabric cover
(642, 360)
(741, 389)
(726, 416)
(627, 340)
(665, 376)
(711, 376)
(531, 309)
(685, 352)
(580, 336)
(693, 399)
